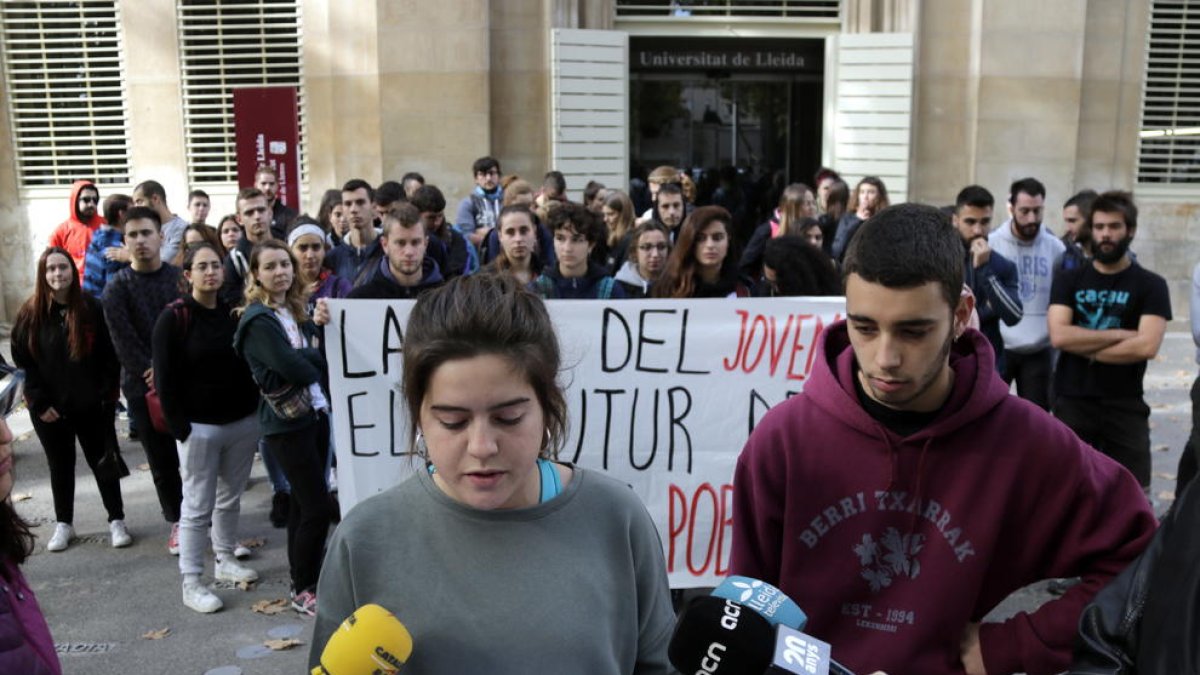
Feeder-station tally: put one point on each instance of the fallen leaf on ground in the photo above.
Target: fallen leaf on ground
(280, 645)
(22, 496)
(245, 585)
(270, 606)
(156, 634)
(143, 467)
(1166, 496)
(254, 542)
(1165, 475)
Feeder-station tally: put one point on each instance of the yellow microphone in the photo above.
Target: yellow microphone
(371, 641)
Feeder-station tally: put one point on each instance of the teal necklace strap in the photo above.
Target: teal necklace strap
(551, 482)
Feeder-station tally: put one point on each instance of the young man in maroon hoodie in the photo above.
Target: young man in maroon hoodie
(904, 493)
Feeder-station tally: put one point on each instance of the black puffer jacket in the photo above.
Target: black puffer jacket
(1147, 621)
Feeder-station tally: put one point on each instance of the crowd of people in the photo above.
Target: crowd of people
(211, 336)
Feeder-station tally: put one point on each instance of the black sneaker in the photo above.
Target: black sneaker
(280, 504)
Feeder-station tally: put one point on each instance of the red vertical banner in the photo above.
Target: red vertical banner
(266, 125)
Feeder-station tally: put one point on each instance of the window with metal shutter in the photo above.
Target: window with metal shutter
(753, 9)
(229, 44)
(62, 67)
(1169, 147)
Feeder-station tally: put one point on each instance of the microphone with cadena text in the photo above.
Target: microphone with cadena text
(371, 641)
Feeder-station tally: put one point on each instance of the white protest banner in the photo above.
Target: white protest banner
(662, 396)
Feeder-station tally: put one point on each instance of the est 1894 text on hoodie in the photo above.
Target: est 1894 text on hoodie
(893, 545)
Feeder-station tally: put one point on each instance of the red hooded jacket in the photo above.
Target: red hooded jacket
(892, 544)
(73, 234)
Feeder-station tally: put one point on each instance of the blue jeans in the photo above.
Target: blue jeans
(279, 482)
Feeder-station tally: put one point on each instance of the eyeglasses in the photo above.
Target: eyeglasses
(652, 247)
(12, 386)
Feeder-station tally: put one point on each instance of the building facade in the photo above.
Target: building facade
(931, 96)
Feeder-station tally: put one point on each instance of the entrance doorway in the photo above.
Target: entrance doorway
(760, 123)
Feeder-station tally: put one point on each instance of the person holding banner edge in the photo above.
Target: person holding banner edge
(491, 520)
(929, 494)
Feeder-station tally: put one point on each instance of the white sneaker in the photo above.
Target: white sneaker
(199, 598)
(120, 535)
(63, 534)
(231, 570)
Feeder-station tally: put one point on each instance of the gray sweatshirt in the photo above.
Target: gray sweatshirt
(574, 585)
(1036, 261)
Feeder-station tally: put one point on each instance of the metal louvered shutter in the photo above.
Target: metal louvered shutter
(1169, 140)
(62, 65)
(873, 124)
(225, 45)
(590, 91)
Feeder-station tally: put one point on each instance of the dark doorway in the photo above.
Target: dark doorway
(755, 106)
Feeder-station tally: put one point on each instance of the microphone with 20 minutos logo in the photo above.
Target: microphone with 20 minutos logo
(371, 641)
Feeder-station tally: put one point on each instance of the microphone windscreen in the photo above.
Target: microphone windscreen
(371, 640)
(721, 637)
(799, 654)
(770, 602)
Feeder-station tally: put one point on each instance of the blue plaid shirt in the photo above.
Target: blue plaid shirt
(97, 269)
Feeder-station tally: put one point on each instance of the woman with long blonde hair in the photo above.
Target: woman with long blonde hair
(619, 219)
(275, 336)
(796, 205)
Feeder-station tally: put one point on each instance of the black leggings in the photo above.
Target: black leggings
(95, 430)
(162, 454)
(302, 455)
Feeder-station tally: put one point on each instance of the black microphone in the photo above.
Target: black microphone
(716, 636)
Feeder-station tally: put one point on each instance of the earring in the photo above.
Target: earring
(419, 446)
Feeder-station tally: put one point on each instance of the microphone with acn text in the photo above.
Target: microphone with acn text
(719, 636)
(371, 641)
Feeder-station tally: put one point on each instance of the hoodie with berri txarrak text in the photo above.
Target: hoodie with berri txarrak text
(893, 545)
